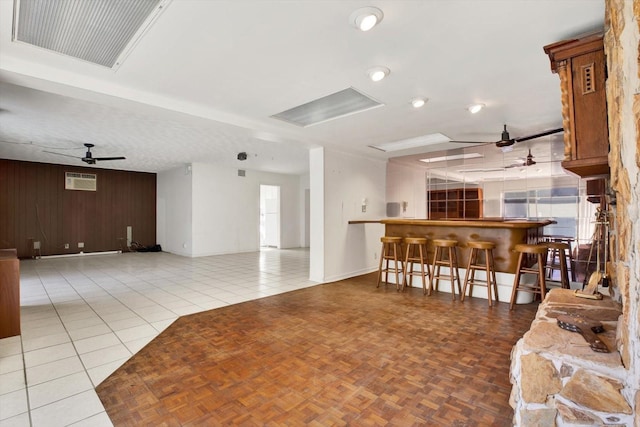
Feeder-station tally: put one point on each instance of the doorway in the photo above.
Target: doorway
(270, 216)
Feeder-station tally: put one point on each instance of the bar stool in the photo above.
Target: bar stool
(539, 286)
(488, 267)
(445, 255)
(413, 245)
(391, 248)
(558, 249)
(555, 254)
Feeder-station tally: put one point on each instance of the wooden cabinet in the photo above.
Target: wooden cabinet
(9, 293)
(581, 66)
(455, 203)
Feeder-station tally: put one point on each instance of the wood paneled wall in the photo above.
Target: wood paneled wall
(34, 206)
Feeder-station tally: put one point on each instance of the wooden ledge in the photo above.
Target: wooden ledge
(479, 223)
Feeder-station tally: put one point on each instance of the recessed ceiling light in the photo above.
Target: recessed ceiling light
(475, 108)
(378, 73)
(418, 102)
(366, 18)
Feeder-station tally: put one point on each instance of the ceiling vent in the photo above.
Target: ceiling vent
(340, 104)
(80, 181)
(99, 31)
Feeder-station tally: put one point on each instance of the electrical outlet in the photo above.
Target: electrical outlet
(375, 255)
(80, 245)
(66, 246)
(364, 208)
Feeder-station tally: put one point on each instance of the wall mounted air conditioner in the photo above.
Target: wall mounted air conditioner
(80, 181)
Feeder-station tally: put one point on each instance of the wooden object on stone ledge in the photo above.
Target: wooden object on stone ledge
(581, 66)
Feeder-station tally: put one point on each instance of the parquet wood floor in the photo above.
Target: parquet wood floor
(344, 353)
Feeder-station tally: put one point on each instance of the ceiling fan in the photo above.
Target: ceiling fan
(88, 157)
(507, 141)
(528, 161)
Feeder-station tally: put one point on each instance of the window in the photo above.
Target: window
(559, 203)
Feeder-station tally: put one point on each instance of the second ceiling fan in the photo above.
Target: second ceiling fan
(528, 161)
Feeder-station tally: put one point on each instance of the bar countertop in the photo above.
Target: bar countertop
(477, 223)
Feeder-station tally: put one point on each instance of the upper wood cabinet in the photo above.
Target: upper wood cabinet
(581, 65)
(455, 203)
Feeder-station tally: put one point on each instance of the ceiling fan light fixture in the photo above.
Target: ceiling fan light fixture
(505, 139)
(418, 102)
(365, 18)
(475, 108)
(378, 73)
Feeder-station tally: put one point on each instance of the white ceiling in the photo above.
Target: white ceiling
(202, 83)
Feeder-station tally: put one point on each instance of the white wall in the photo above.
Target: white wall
(407, 184)
(350, 250)
(174, 214)
(214, 211)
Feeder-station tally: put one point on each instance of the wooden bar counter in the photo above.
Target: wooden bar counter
(504, 233)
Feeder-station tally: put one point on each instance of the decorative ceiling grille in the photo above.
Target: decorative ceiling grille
(343, 103)
(97, 31)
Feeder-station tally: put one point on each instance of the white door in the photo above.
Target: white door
(270, 216)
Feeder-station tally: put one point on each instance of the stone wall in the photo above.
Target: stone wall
(621, 40)
(558, 380)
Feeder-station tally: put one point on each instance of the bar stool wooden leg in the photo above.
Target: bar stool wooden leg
(564, 274)
(516, 281)
(435, 271)
(453, 271)
(541, 279)
(395, 260)
(572, 265)
(493, 275)
(423, 256)
(383, 252)
(470, 272)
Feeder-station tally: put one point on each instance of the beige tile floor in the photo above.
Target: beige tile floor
(83, 317)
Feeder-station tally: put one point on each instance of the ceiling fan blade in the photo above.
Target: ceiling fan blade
(539, 135)
(109, 158)
(515, 165)
(60, 154)
(469, 142)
